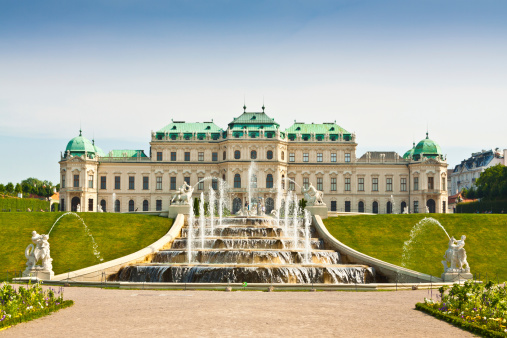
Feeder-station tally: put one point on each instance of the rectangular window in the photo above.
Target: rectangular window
(416, 183)
(214, 157)
(146, 183)
(306, 182)
(374, 184)
(187, 179)
(403, 184)
(430, 183)
(173, 156)
(333, 205)
(320, 184)
(159, 182)
(333, 183)
(76, 181)
(347, 157)
(187, 156)
(63, 181)
(62, 205)
(444, 209)
(347, 184)
(173, 183)
(292, 185)
(360, 184)
(214, 184)
(159, 205)
(201, 156)
(131, 182)
(333, 157)
(319, 157)
(90, 204)
(443, 183)
(159, 156)
(389, 184)
(103, 182)
(200, 186)
(90, 181)
(305, 157)
(292, 157)
(416, 207)
(347, 206)
(117, 182)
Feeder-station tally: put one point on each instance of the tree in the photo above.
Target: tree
(2, 188)
(472, 193)
(18, 188)
(9, 188)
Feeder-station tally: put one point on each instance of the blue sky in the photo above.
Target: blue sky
(387, 70)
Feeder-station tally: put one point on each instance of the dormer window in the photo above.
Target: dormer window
(332, 129)
(208, 127)
(298, 128)
(253, 117)
(173, 128)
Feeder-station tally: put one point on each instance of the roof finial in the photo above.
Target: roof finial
(427, 135)
(80, 131)
(244, 108)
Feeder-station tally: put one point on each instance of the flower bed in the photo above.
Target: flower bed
(479, 308)
(28, 303)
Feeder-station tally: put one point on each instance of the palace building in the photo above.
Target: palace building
(322, 154)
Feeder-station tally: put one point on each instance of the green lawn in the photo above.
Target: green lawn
(116, 235)
(382, 237)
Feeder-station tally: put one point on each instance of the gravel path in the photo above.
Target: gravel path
(126, 313)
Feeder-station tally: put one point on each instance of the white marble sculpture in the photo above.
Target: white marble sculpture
(183, 195)
(313, 196)
(456, 257)
(100, 208)
(78, 208)
(38, 251)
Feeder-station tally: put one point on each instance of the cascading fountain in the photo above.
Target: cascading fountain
(247, 249)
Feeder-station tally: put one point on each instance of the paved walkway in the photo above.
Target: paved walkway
(125, 313)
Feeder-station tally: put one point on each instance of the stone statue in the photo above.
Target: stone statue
(183, 195)
(78, 208)
(456, 256)
(39, 252)
(100, 208)
(312, 195)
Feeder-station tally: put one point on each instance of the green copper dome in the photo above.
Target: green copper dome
(427, 148)
(409, 152)
(79, 144)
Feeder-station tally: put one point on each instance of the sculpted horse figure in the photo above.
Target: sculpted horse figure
(183, 195)
(312, 195)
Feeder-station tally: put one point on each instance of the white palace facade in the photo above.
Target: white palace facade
(321, 154)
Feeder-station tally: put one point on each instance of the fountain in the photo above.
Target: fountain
(249, 247)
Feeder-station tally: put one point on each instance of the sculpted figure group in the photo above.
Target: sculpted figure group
(456, 256)
(39, 252)
(312, 195)
(183, 195)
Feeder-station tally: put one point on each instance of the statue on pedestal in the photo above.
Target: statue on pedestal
(183, 195)
(313, 196)
(39, 252)
(456, 257)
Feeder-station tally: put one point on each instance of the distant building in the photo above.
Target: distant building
(468, 171)
(323, 154)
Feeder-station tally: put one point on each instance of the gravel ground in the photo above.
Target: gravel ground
(126, 313)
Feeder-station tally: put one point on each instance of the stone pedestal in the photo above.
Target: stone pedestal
(320, 210)
(456, 276)
(39, 273)
(176, 209)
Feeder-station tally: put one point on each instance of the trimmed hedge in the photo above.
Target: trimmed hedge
(496, 206)
(456, 321)
(34, 315)
(22, 204)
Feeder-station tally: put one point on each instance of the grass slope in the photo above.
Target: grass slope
(115, 234)
(382, 237)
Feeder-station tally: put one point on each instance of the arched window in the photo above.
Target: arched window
(103, 205)
(283, 156)
(283, 182)
(431, 206)
(237, 181)
(237, 154)
(389, 207)
(145, 205)
(225, 156)
(117, 206)
(374, 207)
(403, 207)
(360, 206)
(236, 205)
(253, 154)
(131, 205)
(269, 181)
(74, 203)
(269, 155)
(270, 205)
